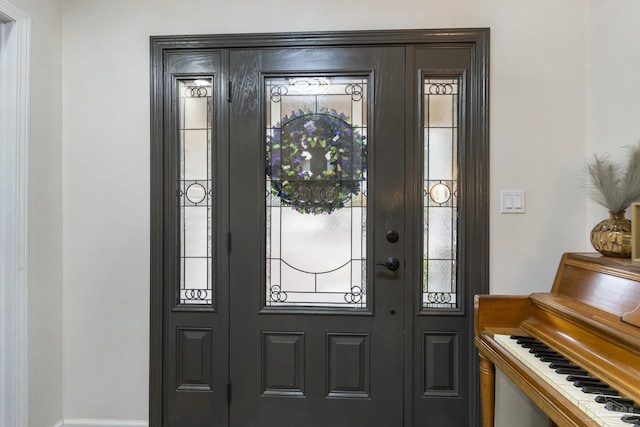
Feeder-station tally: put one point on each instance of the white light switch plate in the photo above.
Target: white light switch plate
(512, 201)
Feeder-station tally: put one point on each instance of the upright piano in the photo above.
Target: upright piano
(574, 351)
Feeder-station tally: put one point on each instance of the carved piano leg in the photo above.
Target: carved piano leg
(487, 391)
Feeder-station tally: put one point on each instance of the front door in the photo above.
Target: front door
(316, 326)
(321, 235)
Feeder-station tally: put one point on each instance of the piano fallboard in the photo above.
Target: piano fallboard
(581, 318)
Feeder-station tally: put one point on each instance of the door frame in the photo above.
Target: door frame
(15, 48)
(474, 39)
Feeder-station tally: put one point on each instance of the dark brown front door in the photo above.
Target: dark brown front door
(318, 230)
(316, 327)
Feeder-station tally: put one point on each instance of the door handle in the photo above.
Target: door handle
(391, 263)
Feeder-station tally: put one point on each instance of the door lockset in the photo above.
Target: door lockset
(391, 263)
(393, 236)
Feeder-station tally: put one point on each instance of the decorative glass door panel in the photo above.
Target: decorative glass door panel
(440, 190)
(195, 191)
(316, 222)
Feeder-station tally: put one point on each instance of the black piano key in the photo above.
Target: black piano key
(572, 378)
(552, 359)
(568, 371)
(631, 419)
(535, 346)
(608, 391)
(540, 353)
(568, 365)
(522, 338)
(547, 351)
(618, 407)
(524, 341)
(528, 344)
(531, 343)
(593, 383)
(616, 399)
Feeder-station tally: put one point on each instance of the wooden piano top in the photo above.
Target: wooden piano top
(608, 284)
(582, 318)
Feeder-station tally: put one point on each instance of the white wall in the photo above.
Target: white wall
(45, 212)
(614, 86)
(538, 113)
(538, 143)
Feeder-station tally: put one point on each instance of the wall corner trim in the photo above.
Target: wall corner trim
(15, 34)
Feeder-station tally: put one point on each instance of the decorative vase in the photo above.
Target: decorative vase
(612, 237)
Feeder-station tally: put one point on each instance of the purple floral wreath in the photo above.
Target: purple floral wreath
(316, 161)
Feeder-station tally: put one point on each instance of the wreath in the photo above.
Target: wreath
(316, 161)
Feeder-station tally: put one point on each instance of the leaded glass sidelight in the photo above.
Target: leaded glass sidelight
(316, 187)
(440, 193)
(195, 191)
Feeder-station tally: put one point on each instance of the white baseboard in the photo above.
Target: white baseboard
(102, 423)
(58, 424)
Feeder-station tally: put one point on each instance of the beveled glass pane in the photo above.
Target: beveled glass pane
(440, 275)
(197, 108)
(195, 242)
(442, 110)
(440, 232)
(316, 182)
(332, 233)
(440, 193)
(195, 191)
(293, 103)
(440, 149)
(195, 158)
(194, 269)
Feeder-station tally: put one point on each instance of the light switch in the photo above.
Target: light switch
(517, 202)
(512, 201)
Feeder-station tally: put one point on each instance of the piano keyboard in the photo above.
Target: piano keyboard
(594, 398)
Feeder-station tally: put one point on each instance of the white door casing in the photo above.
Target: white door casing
(15, 33)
